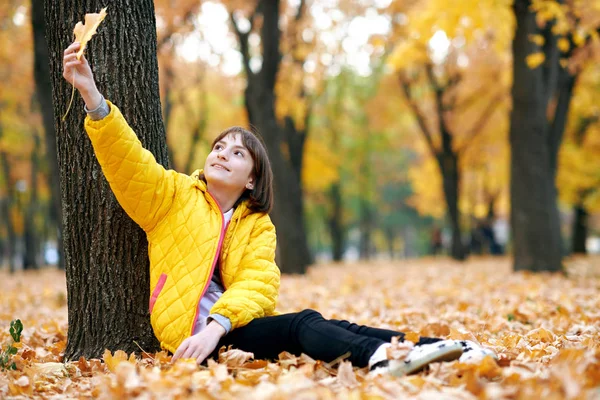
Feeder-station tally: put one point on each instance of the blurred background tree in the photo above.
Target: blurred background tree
(390, 124)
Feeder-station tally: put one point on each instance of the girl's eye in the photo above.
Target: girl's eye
(239, 153)
(218, 147)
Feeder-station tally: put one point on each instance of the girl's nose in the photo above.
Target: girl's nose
(222, 155)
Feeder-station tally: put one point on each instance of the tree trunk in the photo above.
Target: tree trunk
(448, 163)
(168, 110)
(366, 228)
(580, 229)
(534, 215)
(288, 212)
(6, 204)
(106, 253)
(30, 234)
(41, 72)
(335, 222)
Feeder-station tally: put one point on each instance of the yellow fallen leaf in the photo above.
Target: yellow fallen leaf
(112, 361)
(542, 335)
(84, 32)
(346, 375)
(234, 357)
(50, 369)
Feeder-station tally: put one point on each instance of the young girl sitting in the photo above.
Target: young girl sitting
(213, 277)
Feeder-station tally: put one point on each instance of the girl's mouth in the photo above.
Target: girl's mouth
(219, 166)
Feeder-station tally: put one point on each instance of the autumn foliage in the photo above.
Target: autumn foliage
(543, 327)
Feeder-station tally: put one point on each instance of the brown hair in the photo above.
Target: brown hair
(260, 198)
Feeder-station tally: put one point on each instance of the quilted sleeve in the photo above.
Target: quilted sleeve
(253, 293)
(142, 186)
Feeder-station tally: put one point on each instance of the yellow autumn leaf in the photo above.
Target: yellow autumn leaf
(84, 32)
(535, 60)
(563, 45)
(537, 39)
(112, 360)
(235, 357)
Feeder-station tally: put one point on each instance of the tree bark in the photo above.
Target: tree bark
(580, 229)
(106, 253)
(41, 73)
(534, 215)
(279, 137)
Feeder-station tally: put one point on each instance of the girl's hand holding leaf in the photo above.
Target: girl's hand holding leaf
(78, 73)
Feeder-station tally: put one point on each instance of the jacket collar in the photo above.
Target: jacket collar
(241, 210)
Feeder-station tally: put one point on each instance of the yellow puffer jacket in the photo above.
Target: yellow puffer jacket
(185, 231)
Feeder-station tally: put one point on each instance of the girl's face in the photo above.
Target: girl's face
(230, 164)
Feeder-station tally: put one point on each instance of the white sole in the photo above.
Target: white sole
(449, 352)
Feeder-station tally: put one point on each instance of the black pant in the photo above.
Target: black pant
(308, 332)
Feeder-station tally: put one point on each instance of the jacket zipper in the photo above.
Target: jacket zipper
(225, 231)
(220, 263)
(214, 263)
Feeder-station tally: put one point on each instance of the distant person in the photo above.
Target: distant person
(477, 239)
(213, 277)
(436, 241)
(501, 228)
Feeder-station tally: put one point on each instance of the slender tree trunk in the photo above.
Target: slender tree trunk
(335, 222)
(30, 234)
(168, 111)
(390, 235)
(41, 72)
(6, 203)
(106, 253)
(366, 228)
(580, 229)
(451, 180)
(197, 133)
(534, 216)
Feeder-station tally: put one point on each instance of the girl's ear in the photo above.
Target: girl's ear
(250, 184)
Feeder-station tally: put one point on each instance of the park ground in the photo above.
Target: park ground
(544, 327)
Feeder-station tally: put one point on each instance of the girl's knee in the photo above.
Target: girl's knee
(306, 315)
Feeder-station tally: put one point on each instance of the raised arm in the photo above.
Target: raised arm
(142, 186)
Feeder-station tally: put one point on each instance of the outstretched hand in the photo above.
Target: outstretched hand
(201, 345)
(78, 73)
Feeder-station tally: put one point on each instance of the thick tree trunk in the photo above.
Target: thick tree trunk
(30, 234)
(288, 212)
(580, 229)
(534, 216)
(106, 253)
(41, 72)
(448, 163)
(336, 230)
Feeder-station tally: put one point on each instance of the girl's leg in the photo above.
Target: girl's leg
(304, 332)
(384, 334)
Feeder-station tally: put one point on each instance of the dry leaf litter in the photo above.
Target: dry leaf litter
(544, 328)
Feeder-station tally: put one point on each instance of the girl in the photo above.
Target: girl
(213, 277)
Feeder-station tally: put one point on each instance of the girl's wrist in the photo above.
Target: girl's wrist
(214, 326)
(91, 96)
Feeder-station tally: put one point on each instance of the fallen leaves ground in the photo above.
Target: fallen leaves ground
(545, 329)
